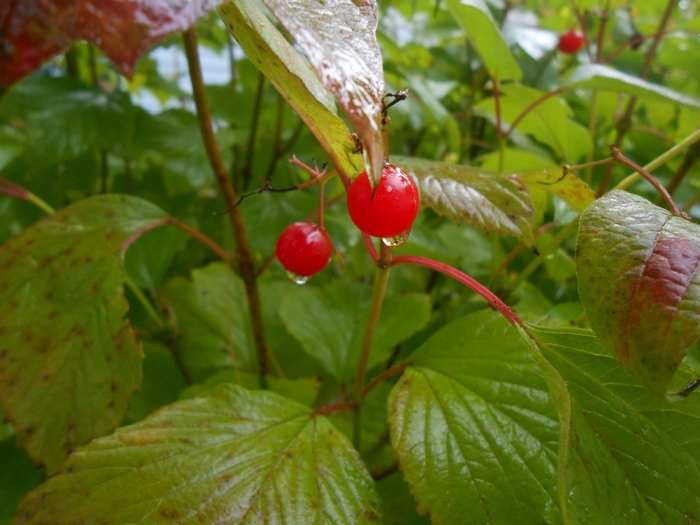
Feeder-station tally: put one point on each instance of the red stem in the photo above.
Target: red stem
(335, 407)
(369, 245)
(396, 369)
(218, 250)
(463, 278)
(530, 108)
(12, 189)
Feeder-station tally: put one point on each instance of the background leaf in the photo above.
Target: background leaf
(474, 427)
(231, 456)
(598, 76)
(329, 323)
(638, 279)
(568, 188)
(491, 201)
(69, 362)
(627, 456)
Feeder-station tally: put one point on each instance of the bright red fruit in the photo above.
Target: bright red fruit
(393, 207)
(571, 41)
(304, 249)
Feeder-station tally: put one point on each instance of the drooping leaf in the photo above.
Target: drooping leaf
(494, 202)
(291, 75)
(212, 321)
(549, 122)
(329, 323)
(475, 18)
(339, 40)
(69, 362)
(605, 78)
(626, 455)
(229, 456)
(32, 31)
(638, 279)
(475, 429)
(568, 187)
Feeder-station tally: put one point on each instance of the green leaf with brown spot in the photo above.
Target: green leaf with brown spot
(494, 202)
(229, 456)
(568, 187)
(69, 361)
(638, 279)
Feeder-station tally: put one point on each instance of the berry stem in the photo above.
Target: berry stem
(380, 283)
(463, 278)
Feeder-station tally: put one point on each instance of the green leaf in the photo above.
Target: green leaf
(604, 78)
(18, 475)
(291, 75)
(69, 362)
(568, 187)
(491, 201)
(329, 323)
(549, 122)
(339, 40)
(64, 118)
(638, 279)
(212, 321)
(626, 456)
(474, 427)
(229, 456)
(475, 18)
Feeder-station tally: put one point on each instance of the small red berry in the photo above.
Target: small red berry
(393, 207)
(304, 249)
(571, 41)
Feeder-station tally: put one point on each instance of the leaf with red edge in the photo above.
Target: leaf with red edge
(32, 31)
(339, 39)
(640, 284)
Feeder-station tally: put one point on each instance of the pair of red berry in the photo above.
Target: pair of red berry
(304, 249)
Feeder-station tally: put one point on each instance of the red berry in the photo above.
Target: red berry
(393, 207)
(304, 249)
(571, 41)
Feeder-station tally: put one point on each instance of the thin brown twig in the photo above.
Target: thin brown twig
(207, 241)
(247, 268)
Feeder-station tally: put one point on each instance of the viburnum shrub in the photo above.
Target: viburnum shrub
(527, 355)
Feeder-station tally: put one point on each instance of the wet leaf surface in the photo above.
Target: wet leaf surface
(294, 79)
(475, 429)
(229, 456)
(32, 31)
(494, 202)
(69, 361)
(339, 39)
(627, 455)
(638, 279)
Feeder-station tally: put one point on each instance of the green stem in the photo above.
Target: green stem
(661, 160)
(145, 303)
(380, 284)
(535, 263)
(40, 203)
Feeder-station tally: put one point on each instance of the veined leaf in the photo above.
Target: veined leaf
(475, 429)
(69, 361)
(491, 201)
(339, 40)
(638, 279)
(598, 76)
(229, 456)
(626, 455)
(293, 78)
(475, 18)
(568, 187)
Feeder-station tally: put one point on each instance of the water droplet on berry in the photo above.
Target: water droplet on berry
(299, 279)
(397, 240)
